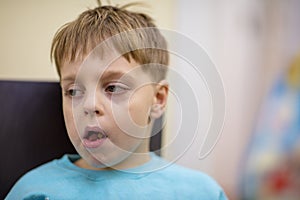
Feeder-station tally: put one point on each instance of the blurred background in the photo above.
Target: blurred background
(255, 46)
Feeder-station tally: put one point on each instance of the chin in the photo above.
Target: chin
(110, 160)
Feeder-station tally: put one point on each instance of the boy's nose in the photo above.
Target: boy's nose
(91, 112)
(91, 107)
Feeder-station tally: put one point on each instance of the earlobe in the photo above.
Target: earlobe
(156, 111)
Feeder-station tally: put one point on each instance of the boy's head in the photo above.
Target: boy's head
(112, 64)
(76, 39)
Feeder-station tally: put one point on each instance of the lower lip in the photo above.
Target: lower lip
(93, 144)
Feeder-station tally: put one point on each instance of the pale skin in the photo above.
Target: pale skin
(120, 99)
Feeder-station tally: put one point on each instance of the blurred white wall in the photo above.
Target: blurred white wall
(232, 34)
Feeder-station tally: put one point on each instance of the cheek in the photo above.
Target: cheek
(139, 114)
(139, 106)
(69, 120)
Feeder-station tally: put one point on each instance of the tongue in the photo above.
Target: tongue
(93, 137)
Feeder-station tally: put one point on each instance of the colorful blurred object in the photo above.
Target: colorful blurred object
(272, 164)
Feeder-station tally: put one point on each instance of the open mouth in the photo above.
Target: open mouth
(93, 137)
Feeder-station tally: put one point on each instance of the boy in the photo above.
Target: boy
(112, 65)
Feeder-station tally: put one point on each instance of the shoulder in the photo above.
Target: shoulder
(190, 176)
(192, 183)
(46, 171)
(36, 178)
(177, 172)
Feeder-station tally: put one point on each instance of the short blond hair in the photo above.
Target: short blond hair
(77, 38)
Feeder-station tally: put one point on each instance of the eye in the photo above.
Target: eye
(116, 88)
(74, 92)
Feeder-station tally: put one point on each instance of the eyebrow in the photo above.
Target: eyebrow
(106, 76)
(111, 74)
(70, 78)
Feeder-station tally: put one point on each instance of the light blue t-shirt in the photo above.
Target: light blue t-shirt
(157, 179)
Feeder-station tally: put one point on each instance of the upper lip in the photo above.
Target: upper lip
(93, 128)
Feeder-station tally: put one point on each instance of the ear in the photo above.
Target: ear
(160, 99)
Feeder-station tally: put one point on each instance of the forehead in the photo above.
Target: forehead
(95, 68)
